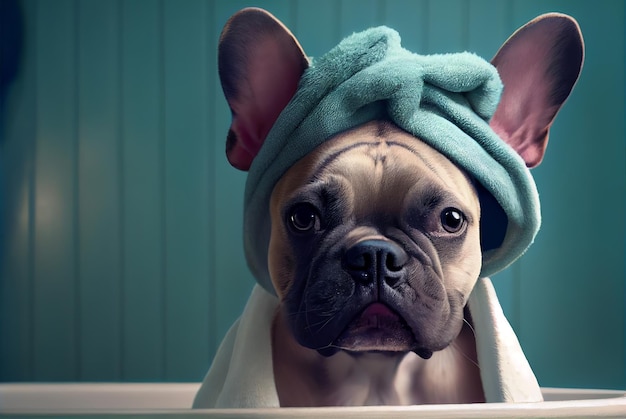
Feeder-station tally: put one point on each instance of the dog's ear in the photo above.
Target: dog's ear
(539, 65)
(260, 64)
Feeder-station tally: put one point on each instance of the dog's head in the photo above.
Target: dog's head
(374, 229)
(375, 243)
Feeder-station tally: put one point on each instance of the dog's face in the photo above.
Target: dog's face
(375, 244)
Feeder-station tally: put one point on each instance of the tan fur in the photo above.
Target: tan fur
(381, 171)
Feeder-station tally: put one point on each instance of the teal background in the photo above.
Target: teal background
(121, 250)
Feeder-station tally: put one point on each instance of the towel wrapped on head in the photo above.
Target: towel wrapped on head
(445, 100)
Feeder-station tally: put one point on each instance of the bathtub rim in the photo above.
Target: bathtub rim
(560, 403)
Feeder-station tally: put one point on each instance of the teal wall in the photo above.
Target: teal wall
(121, 249)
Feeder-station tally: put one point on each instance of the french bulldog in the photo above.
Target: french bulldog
(375, 241)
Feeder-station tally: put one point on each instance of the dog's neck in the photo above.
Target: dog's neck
(305, 378)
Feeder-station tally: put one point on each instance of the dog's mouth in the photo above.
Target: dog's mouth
(377, 328)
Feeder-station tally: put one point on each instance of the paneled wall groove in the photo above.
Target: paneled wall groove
(121, 138)
(30, 225)
(211, 62)
(163, 192)
(76, 196)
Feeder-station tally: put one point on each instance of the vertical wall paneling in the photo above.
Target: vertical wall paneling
(483, 42)
(410, 19)
(211, 74)
(98, 190)
(370, 13)
(186, 190)
(122, 252)
(317, 25)
(16, 201)
(447, 26)
(232, 279)
(55, 293)
(143, 214)
(573, 276)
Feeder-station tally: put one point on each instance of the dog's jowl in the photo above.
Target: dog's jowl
(384, 188)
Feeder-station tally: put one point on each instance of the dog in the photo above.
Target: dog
(376, 237)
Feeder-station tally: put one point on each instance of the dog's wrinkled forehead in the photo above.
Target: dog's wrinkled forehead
(375, 173)
(384, 163)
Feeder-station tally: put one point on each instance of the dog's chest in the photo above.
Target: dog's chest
(304, 378)
(357, 381)
(381, 380)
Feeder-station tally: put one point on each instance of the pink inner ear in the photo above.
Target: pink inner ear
(269, 89)
(273, 85)
(538, 66)
(524, 114)
(526, 133)
(262, 65)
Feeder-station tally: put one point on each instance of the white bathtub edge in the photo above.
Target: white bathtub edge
(165, 400)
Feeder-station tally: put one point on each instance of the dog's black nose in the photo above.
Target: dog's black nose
(375, 260)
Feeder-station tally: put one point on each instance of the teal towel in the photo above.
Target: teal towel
(446, 100)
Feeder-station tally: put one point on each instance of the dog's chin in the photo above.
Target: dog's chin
(376, 329)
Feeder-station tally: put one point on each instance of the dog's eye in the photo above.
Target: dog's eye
(304, 218)
(452, 220)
